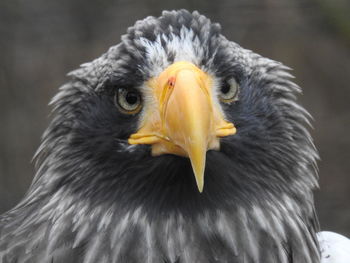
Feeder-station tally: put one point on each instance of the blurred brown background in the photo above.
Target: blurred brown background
(40, 41)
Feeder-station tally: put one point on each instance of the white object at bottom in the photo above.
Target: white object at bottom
(334, 248)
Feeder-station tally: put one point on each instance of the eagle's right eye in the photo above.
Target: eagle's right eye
(128, 100)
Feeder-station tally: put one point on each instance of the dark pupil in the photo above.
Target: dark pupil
(225, 88)
(131, 98)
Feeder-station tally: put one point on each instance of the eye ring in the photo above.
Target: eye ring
(128, 100)
(228, 91)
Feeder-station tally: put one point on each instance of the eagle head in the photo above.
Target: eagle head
(176, 145)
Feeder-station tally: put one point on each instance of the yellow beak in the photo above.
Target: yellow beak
(186, 121)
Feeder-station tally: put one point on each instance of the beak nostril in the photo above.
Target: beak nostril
(171, 82)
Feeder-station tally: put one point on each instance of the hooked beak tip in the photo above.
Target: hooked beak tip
(198, 160)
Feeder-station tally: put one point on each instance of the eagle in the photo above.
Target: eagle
(175, 146)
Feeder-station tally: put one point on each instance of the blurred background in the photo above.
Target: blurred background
(41, 41)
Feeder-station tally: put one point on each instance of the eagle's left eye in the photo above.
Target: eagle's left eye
(128, 100)
(229, 91)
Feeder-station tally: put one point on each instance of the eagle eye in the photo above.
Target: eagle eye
(228, 91)
(128, 100)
